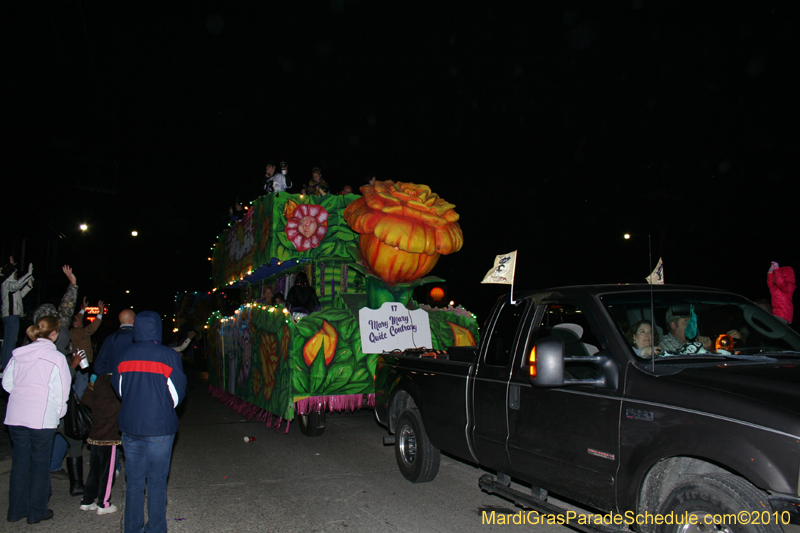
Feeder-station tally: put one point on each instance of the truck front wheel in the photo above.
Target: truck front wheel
(417, 458)
(717, 502)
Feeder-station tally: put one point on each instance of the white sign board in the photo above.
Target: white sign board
(393, 327)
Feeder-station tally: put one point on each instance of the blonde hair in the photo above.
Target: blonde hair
(43, 328)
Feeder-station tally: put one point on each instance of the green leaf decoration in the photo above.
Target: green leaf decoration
(355, 255)
(338, 376)
(343, 356)
(308, 326)
(302, 378)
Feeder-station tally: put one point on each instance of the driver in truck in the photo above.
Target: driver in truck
(675, 340)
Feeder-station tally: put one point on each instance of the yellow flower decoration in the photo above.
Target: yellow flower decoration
(264, 380)
(326, 338)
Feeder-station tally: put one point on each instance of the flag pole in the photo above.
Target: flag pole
(512, 280)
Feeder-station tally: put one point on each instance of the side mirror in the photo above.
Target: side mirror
(546, 363)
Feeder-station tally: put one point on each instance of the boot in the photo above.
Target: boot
(75, 469)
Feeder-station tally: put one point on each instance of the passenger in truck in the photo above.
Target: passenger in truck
(641, 338)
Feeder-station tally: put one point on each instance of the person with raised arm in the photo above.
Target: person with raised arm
(14, 289)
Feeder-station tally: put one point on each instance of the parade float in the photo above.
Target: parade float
(363, 255)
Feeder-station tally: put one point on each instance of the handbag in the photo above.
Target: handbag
(78, 420)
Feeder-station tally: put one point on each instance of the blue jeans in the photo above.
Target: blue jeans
(29, 488)
(146, 465)
(10, 334)
(59, 452)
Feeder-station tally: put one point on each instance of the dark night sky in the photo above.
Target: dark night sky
(554, 128)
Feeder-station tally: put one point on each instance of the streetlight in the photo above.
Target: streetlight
(134, 233)
(627, 236)
(83, 227)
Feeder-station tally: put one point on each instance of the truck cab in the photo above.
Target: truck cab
(560, 396)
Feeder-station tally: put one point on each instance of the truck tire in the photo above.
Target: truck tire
(417, 458)
(718, 495)
(312, 424)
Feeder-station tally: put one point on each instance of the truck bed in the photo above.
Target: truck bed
(440, 392)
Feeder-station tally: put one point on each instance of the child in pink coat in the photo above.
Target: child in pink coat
(781, 287)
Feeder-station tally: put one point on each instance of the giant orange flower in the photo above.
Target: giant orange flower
(404, 228)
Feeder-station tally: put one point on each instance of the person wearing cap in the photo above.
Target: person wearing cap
(673, 341)
(82, 335)
(64, 313)
(14, 290)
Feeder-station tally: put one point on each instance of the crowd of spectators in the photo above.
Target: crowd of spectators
(54, 361)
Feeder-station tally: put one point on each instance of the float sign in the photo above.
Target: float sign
(393, 327)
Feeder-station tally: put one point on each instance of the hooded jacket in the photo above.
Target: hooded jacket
(781, 286)
(150, 381)
(37, 379)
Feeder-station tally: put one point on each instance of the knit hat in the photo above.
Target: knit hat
(43, 311)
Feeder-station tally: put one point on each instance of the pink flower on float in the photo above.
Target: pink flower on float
(307, 226)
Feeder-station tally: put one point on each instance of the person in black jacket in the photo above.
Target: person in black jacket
(301, 297)
(104, 439)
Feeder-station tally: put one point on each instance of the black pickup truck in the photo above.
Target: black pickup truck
(561, 395)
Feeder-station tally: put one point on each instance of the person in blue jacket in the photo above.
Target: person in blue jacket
(149, 379)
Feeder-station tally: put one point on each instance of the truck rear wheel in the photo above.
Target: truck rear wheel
(312, 424)
(720, 502)
(417, 458)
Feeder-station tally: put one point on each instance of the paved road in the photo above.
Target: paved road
(345, 480)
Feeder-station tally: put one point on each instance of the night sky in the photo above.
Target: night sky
(554, 127)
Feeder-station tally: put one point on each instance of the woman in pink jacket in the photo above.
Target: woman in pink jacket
(38, 381)
(781, 287)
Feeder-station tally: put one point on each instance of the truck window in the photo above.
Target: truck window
(569, 323)
(725, 324)
(501, 344)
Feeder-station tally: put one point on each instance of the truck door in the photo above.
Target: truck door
(566, 438)
(490, 386)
